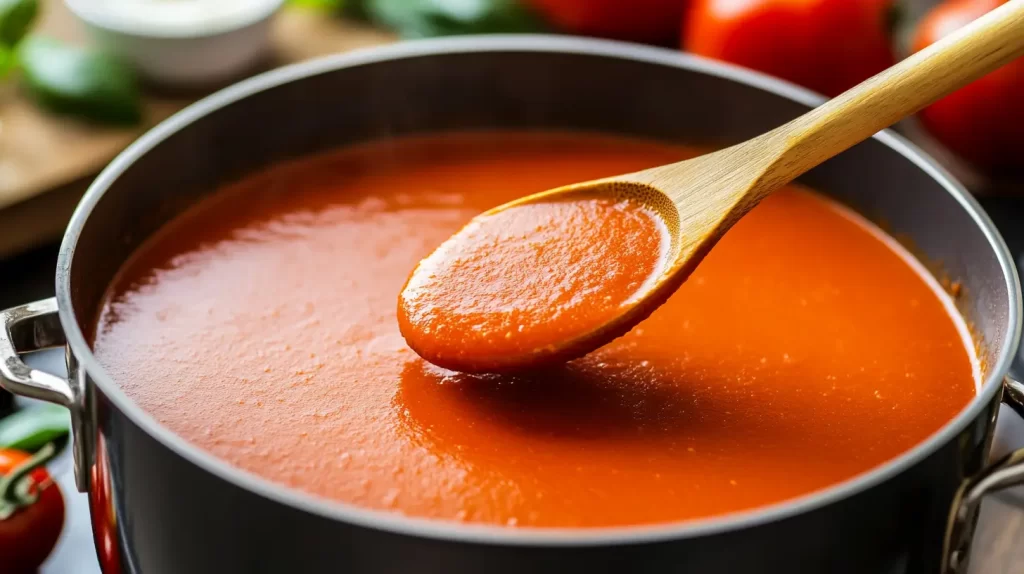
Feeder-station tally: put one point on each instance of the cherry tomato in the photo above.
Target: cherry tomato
(101, 507)
(984, 121)
(28, 535)
(638, 20)
(825, 45)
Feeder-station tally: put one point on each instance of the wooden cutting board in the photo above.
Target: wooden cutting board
(46, 162)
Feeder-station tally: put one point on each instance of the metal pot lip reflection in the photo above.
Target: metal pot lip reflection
(554, 537)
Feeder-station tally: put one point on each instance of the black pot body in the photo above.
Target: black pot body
(173, 515)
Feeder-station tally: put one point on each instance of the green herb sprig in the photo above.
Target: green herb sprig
(63, 78)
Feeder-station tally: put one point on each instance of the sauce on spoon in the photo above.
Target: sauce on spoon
(517, 279)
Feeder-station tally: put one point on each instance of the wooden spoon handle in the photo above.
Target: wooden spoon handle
(882, 100)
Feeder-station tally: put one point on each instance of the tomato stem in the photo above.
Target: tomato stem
(16, 486)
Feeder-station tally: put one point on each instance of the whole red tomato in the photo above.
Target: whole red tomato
(984, 121)
(29, 533)
(825, 45)
(638, 20)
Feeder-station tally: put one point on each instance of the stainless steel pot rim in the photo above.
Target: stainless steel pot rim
(443, 530)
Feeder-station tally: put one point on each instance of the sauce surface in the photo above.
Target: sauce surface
(261, 326)
(529, 277)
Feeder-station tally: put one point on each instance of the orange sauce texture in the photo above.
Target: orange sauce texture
(261, 326)
(528, 277)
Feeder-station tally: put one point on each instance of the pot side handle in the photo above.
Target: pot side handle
(1000, 475)
(34, 327)
(1013, 394)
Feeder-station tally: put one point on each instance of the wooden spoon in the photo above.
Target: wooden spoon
(701, 198)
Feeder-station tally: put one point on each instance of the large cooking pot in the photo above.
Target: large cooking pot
(161, 505)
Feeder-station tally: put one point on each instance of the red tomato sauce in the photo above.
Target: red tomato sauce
(528, 277)
(261, 326)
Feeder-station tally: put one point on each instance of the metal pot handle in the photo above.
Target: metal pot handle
(34, 327)
(1000, 475)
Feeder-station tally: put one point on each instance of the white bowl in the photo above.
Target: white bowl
(171, 43)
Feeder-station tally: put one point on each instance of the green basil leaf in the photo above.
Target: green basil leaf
(325, 5)
(352, 9)
(31, 428)
(16, 18)
(355, 10)
(79, 81)
(427, 18)
(8, 62)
